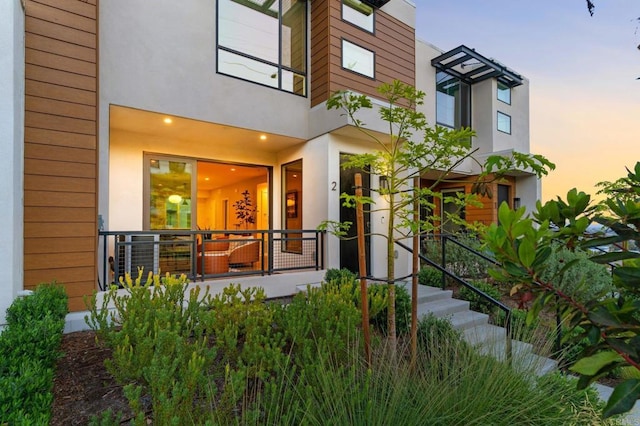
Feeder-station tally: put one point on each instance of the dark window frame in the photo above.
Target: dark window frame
(506, 89)
(278, 66)
(498, 122)
(342, 41)
(373, 13)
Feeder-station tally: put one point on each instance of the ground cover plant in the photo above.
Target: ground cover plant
(29, 348)
(186, 357)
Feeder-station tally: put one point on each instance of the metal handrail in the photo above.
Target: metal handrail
(498, 304)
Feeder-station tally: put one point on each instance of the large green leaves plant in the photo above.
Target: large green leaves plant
(610, 322)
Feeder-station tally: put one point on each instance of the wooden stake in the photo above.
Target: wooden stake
(414, 277)
(362, 265)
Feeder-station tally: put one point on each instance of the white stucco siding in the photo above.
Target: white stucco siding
(167, 63)
(11, 150)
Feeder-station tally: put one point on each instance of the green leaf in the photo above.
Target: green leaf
(623, 398)
(527, 253)
(590, 366)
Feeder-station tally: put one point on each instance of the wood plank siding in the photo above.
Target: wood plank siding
(393, 43)
(60, 158)
(487, 212)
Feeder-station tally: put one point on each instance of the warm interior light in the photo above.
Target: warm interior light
(175, 198)
(295, 176)
(263, 137)
(206, 178)
(233, 170)
(291, 203)
(168, 120)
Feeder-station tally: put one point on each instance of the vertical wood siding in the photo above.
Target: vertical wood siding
(60, 159)
(393, 43)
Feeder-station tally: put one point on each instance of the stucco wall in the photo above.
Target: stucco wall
(11, 150)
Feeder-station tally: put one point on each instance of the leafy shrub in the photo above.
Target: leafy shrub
(479, 303)
(430, 276)
(338, 275)
(403, 309)
(29, 348)
(459, 261)
(159, 345)
(584, 280)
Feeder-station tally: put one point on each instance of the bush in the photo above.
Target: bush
(460, 261)
(403, 309)
(479, 303)
(29, 348)
(584, 280)
(430, 276)
(338, 275)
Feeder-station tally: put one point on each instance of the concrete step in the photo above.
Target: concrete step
(431, 294)
(468, 319)
(443, 308)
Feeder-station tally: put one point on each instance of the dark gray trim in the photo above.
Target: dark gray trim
(342, 40)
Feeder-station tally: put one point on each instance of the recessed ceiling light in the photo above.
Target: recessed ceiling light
(206, 178)
(295, 175)
(167, 120)
(233, 170)
(263, 137)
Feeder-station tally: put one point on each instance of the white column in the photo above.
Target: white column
(11, 151)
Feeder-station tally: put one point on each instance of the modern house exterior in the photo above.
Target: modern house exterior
(130, 119)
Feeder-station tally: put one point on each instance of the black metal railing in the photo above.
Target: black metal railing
(448, 274)
(208, 254)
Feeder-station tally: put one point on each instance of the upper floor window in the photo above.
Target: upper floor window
(504, 122)
(264, 41)
(358, 59)
(358, 13)
(504, 93)
(453, 101)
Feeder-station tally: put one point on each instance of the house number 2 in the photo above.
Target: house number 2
(333, 185)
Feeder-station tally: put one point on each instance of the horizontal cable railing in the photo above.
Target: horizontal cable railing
(205, 254)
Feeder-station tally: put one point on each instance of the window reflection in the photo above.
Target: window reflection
(504, 93)
(261, 40)
(358, 13)
(504, 122)
(452, 101)
(357, 59)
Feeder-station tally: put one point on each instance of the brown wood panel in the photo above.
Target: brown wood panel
(64, 245)
(56, 183)
(59, 168)
(56, 122)
(50, 214)
(79, 290)
(60, 16)
(57, 138)
(58, 199)
(320, 32)
(61, 93)
(59, 153)
(39, 233)
(78, 303)
(54, 107)
(60, 32)
(61, 275)
(82, 8)
(61, 78)
(59, 47)
(57, 260)
(62, 63)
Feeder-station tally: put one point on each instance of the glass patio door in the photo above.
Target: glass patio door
(169, 190)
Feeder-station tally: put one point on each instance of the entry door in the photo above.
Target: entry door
(349, 247)
(503, 195)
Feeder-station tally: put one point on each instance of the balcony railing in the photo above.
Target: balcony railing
(208, 254)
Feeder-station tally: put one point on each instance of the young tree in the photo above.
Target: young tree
(412, 148)
(611, 322)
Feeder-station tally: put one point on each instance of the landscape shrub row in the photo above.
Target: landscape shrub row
(235, 358)
(29, 348)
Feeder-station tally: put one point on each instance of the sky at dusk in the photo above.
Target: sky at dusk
(584, 96)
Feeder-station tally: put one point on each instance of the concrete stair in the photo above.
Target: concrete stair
(476, 330)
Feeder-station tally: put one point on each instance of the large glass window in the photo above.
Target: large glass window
(169, 185)
(358, 13)
(264, 41)
(453, 101)
(504, 93)
(504, 122)
(358, 59)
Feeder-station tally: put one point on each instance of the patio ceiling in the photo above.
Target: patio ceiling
(472, 67)
(195, 131)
